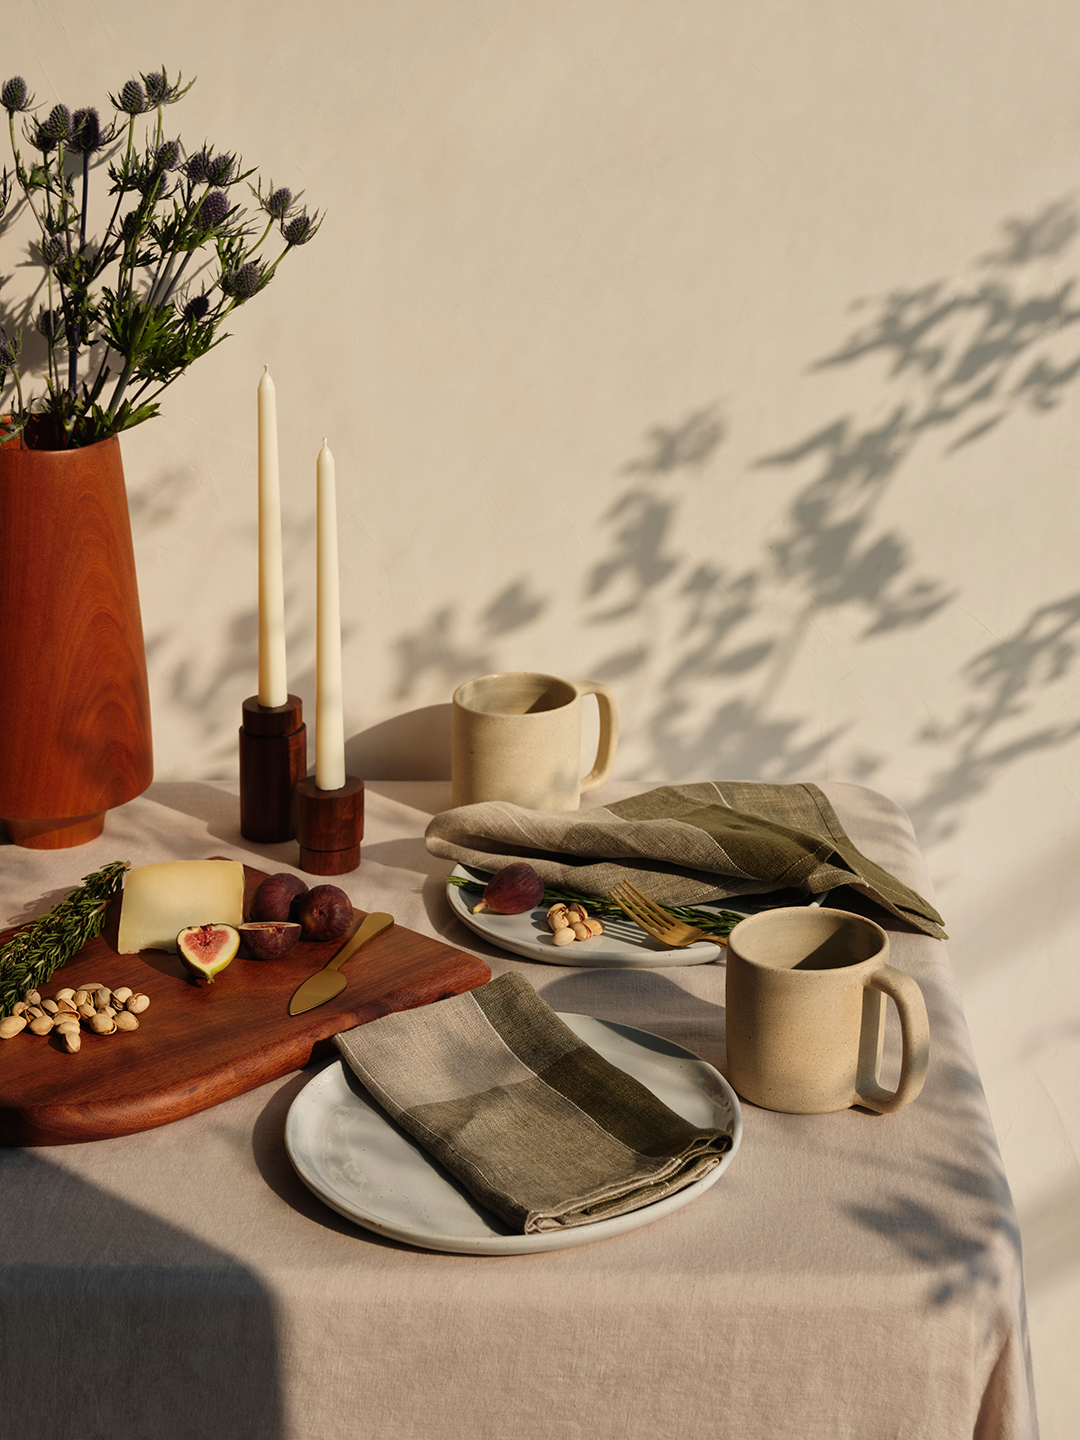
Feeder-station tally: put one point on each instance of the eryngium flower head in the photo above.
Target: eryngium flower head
(300, 229)
(87, 136)
(52, 250)
(245, 281)
(50, 323)
(157, 87)
(278, 203)
(130, 225)
(219, 170)
(167, 155)
(9, 349)
(58, 126)
(213, 208)
(15, 95)
(132, 99)
(196, 308)
(195, 167)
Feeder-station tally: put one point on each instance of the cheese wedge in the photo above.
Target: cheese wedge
(160, 900)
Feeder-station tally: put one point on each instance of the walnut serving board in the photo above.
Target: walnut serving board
(198, 1045)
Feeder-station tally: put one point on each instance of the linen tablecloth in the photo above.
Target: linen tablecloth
(852, 1277)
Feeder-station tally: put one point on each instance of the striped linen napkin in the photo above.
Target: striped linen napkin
(534, 1123)
(682, 845)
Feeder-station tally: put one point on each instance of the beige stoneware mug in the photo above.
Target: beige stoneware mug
(806, 993)
(517, 737)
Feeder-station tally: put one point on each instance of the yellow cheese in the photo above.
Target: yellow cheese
(159, 900)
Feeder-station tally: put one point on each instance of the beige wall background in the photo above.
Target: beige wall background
(726, 352)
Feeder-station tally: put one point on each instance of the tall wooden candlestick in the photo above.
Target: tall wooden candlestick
(273, 737)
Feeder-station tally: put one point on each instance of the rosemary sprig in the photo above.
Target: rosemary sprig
(714, 922)
(30, 957)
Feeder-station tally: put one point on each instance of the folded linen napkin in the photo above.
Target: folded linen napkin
(681, 845)
(538, 1127)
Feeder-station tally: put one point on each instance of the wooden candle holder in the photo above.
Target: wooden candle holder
(330, 826)
(273, 760)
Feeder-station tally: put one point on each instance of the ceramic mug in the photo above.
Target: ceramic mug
(517, 737)
(805, 1013)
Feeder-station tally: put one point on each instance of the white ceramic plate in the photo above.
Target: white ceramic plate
(362, 1165)
(622, 946)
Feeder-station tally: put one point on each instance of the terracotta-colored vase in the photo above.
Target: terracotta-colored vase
(74, 704)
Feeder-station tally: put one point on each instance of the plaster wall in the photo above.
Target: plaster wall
(725, 352)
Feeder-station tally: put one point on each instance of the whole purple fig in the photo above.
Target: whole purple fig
(269, 939)
(512, 891)
(277, 896)
(325, 913)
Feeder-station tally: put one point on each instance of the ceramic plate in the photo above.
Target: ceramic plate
(362, 1165)
(622, 946)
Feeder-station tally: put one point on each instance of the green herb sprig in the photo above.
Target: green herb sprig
(713, 922)
(30, 957)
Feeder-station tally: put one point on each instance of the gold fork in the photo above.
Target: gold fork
(655, 920)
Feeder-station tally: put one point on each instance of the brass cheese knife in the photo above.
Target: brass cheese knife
(328, 982)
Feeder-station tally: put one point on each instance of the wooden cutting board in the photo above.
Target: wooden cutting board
(200, 1044)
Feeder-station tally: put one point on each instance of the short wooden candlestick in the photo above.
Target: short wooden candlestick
(330, 826)
(273, 759)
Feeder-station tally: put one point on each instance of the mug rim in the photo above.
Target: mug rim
(458, 700)
(879, 958)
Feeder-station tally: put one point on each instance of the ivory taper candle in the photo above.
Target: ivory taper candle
(273, 688)
(329, 704)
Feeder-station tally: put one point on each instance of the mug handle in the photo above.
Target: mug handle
(915, 1030)
(609, 733)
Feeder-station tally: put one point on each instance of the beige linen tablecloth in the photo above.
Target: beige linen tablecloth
(852, 1277)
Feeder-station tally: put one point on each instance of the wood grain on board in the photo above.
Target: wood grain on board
(198, 1045)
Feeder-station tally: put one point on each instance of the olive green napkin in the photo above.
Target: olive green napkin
(534, 1123)
(681, 845)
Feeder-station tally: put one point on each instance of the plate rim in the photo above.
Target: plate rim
(516, 1243)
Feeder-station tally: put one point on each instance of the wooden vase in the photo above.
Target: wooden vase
(74, 703)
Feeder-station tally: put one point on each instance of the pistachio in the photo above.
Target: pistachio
(577, 912)
(126, 1021)
(10, 1026)
(557, 918)
(64, 1007)
(32, 997)
(594, 926)
(81, 996)
(71, 1039)
(19, 1007)
(565, 936)
(65, 1027)
(41, 1025)
(123, 994)
(580, 932)
(102, 1024)
(137, 1004)
(65, 994)
(86, 1010)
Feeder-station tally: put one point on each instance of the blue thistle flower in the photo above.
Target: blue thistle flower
(132, 99)
(213, 209)
(278, 203)
(167, 155)
(157, 87)
(87, 136)
(130, 225)
(52, 250)
(196, 308)
(245, 281)
(58, 126)
(50, 324)
(219, 170)
(9, 349)
(300, 229)
(196, 167)
(15, 95)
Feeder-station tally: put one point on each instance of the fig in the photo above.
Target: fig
(207, 949)
(277, 897)
(269, 939)
(512, 891)
(325, 913)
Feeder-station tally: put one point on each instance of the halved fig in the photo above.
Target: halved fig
(206, 949)
(269, 939)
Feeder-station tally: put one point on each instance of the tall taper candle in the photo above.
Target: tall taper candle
(329, 704)
(273, 689)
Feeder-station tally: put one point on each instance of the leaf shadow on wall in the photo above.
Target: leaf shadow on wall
(686, 622)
